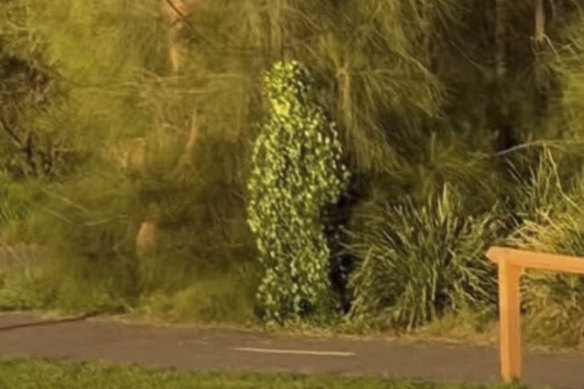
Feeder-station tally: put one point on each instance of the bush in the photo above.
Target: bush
(553, 301)
(297, 173)
(15, 200)
(226, 297)
(22, 289)
(18, 202)
(416, 263)
(552, 222)
(87, 227)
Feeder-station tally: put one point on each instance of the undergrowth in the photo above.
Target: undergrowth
(448, 156)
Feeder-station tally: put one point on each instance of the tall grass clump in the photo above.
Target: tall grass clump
(15, 200)
(417, 263)
(552, 222)
(554, 302)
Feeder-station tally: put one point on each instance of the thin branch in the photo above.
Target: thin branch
(9, 131)
(66, 200)
(539, 143)
(175, 9)
(181, 15)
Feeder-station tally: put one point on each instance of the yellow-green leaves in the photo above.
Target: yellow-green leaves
(297, 172)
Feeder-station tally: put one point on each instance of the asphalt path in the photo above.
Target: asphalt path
(210, 350)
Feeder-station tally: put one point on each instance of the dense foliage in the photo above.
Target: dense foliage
(297, 173)
(109, 106)
(420, 262)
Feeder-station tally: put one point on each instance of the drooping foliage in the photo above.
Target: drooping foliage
(27, 92)
(143, 134)
(297, 173)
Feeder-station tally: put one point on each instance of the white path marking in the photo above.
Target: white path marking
(296, 352)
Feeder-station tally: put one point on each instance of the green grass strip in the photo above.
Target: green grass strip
(37, 374)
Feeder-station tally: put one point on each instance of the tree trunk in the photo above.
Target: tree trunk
(542, 81)
(499, 110)
(539, 27)
(175, 12)
(501, 15)
(276, 39)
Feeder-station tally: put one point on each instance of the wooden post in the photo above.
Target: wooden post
(510, 320)
(511, 263)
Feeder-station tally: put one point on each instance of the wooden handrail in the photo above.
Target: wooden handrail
(511, 264)
(531, 260)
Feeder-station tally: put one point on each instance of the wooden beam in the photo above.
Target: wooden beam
(531, 260)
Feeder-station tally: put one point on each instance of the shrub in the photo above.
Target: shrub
(297, 173)
(18, 201)
(226, 297)
(21, 290)
(553, 301)
(87, 229)
(552, 223)
(14, 200)
(416, 263)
